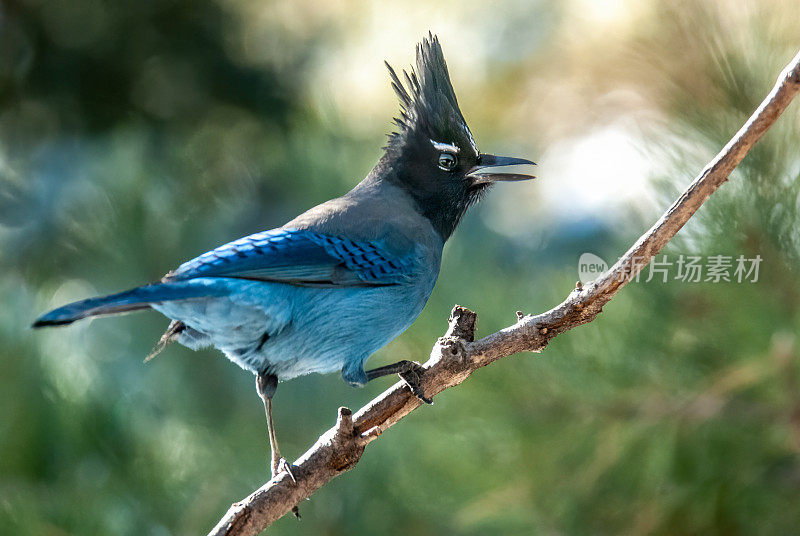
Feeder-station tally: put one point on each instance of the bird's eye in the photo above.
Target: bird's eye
(447, 161)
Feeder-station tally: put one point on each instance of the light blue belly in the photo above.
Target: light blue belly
(290, 331)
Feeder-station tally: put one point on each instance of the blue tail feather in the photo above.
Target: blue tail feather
(129, 300)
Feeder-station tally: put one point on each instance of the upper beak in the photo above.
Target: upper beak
(490, 160)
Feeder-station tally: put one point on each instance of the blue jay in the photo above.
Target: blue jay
(328, 289)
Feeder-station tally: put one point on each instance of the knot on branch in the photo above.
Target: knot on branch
(461, 323)
(344, 423)
(347, 444)
(452, 348)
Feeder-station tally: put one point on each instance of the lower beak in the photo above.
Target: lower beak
(490, 161)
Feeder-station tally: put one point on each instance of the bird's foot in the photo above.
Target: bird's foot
(412, 375)
(410, 371)
(281, 465)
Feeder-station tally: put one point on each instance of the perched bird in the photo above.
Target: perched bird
(325, 291)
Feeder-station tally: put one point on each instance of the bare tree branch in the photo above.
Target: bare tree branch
(456, 355)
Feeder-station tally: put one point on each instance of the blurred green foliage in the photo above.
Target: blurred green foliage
(136, 135)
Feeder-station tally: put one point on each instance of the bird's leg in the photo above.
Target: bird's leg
(266, 384)
(410, 371)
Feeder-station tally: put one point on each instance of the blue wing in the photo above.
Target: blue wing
(299, 257)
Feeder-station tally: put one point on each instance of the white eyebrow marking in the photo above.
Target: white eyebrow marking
(446, 147)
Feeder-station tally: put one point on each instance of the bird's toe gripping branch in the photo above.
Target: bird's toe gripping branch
(283, 466)
(412, 373)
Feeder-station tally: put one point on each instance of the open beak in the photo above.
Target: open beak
(490, 161)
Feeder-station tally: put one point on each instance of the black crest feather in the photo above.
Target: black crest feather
(428, 103)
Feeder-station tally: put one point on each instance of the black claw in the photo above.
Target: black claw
(422, 397)
(412, 378)
(410, 371)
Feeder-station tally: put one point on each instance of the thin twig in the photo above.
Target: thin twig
(455, 356)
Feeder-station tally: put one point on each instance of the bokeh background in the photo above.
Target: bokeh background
(136, 135)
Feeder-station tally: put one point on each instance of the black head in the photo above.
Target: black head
(433, 155)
